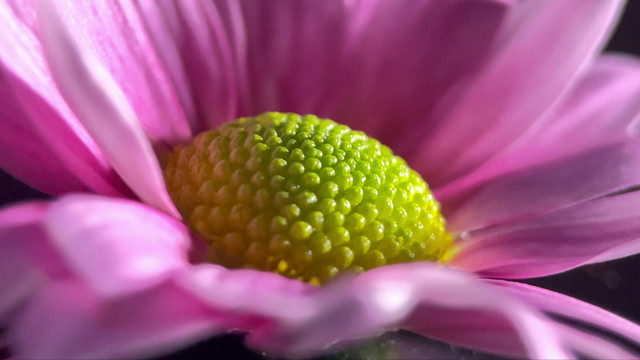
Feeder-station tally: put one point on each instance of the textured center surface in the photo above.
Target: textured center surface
(304, 197)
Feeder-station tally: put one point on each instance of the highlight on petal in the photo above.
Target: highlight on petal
(597, 230)
(139, 245)
(542, 48)
(100, 105)
(37, 123)
(114, 33)
(572, 309)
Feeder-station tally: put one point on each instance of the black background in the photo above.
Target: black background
(614, 285)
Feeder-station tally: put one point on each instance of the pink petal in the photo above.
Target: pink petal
(542, 48)
(25, 154)
(361, 63)
(150, 301)
(24, 238)
(113, 32)
(104, 110)
(547, 244)
(16, 279)
(600, 109)
(552, 161)
(470, 301)
(53, 138)
(193, 46)
(570, 308)
(597, 348)
(135, 309)
(139, 245)
(50, 313)
(68, 321)
(543, 188)
(305, 322)
(27, 259)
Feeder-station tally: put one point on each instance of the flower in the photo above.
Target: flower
(526, 137)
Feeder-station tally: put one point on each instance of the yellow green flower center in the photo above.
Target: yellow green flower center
(304, 197)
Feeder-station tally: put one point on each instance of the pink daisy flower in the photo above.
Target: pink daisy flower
(524, 133)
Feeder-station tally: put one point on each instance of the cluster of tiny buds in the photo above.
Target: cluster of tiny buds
(304, 197)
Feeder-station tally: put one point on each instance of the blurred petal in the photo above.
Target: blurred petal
(67, 321)
(139, 245)
(16, 279)
(54, 139)
(26, 258)
(103, 109)
(151, 299)
(50, 314)
(597, 230)
(193, 45)
(597, 347)
(545, 187)
(306, 321)
(571, 308)
(113, 32)
(542, 48)
(571, 145)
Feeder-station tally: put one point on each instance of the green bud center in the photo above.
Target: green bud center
(304, 197)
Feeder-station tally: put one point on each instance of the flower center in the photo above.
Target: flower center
(304, 197)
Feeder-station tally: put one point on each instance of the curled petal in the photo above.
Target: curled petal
(571, 308)
(593, 231)
(596, 347)
(100, 105)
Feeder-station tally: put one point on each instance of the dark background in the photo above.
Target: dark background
(612, 285)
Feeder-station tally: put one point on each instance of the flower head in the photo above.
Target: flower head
(502, 107)
(305, 197)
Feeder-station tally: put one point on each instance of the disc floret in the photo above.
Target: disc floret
(304, 197)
